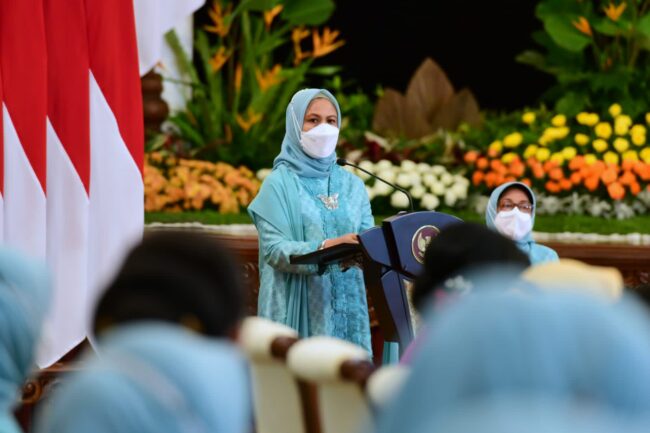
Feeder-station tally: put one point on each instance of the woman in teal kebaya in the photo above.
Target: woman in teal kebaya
(306, 203)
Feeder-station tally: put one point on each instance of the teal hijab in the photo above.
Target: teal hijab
(277, 201)
(536, 253)
(24, 299)
(291, 154)
(153, 378)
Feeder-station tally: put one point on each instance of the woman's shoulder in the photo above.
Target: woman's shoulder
(349, 177)
(542, 253)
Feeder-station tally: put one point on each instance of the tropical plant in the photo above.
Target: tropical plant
(598, 52)
(250, 60)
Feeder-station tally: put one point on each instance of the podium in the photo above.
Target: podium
(392, 257)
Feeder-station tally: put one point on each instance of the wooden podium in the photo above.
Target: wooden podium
(392, 257)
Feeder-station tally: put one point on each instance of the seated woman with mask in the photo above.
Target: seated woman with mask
(511, 212)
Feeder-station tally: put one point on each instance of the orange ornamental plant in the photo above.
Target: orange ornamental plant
(173, 184)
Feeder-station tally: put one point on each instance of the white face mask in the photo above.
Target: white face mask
(514, 224)
(320, 141)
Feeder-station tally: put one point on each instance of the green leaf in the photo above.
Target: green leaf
(261, 5)
(607, 27)
(571, 104)
(307, 12)
(532, 58)
(643, 26)
(561, 29)
(325, 70)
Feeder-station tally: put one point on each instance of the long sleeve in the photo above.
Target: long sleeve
(367, 220)
(277, 250)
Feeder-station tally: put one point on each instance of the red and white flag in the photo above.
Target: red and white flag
(23, 69)
(68, 176)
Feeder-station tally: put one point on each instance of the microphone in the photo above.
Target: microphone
(343, 162)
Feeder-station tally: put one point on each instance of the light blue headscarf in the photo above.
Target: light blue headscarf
(537, 253)
(24, 299)
(154, 378)
(291, 155)
(566, 348)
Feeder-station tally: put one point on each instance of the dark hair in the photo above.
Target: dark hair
(520, 188)
(176, 276)
(459, 248)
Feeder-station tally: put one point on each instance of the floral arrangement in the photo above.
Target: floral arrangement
(606, 157)
(174, 185)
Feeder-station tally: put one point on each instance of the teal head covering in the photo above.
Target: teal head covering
(24, 299)
(567, 348)
(154, 378)
(291, 153)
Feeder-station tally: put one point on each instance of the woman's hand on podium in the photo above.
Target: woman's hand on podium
(350, 238)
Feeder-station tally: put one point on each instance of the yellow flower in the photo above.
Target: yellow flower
(630, 155)
(583, 26)
(297, 35)
(569, 152)
(645, 155)
(528, 117)
(219, 17)
(558, 158)
(219, 59)
(558, 120)
(325, 43)
(638, 133)
(615, 110)
(647, 118)
(614, 12)
(581, 139)
(531, 150)
(603, 130)
(270, 15)
(247, 123)
(621, 145)
(496, 146)
(508, 157)
(512, 140)
(590, 158)
(622, 124)
(543, 154)
(268, 78)
(600, 145)
(611, 157)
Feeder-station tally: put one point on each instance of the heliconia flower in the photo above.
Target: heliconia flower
(583, 26)
(219, 59)
(615, 12)
(268, 78)
(270, 15)
(252, 118)
(238, 76)
(325, 43)
(297, 35)
(219, 18)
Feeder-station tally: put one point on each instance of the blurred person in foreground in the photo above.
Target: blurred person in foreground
(459, 260)
(153, 378)
(24, 299)
(511, 212)
(181, 277)
(539, 351)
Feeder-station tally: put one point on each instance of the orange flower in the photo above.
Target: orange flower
(270, 15)
(491, 179)
(246, 123)
(268, 78)
(583, 26)
(635, 188)
(471, 156)
(297, 35)
(219, 59)
(526, 181)
(219, 17)
(616, 191)
(591, 183)
(509, 179)
(577, 162)
(576, 178)
(565, 184)
(325, 43)
(538, 172)
(556, 173)
(482, 163)
(477, 177)
(549, 165)
(609, 176)
(627, 178)
(614, 12)
(552, 187)
(517, 168)
(498, 166)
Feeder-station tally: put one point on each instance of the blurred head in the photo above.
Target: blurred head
(153, 378)
(511, 211)
(457, 256)
(178, 277)
(571, 349)
(24, 300)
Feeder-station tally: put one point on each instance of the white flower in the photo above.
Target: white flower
(408, 165)
(354, 155)
(418, 191)
(479, 203)
(429, 178)
(548, 205)
(446, 178)
(461, 179)
(399, 200)
(381, 189)
(460, 190)
(387, 174)
(371, 192)
(423, 167)
(438, 170)
(384, 164)
(404, 180)
(362, 175)
(438, 188)
(623, 211)
(381, 141)
(429, 201)
(367, 165)
(262, 173)
(450, 198)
